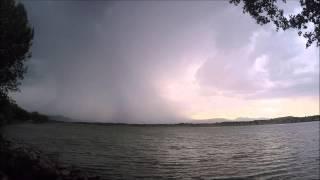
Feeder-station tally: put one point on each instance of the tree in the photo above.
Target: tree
(307, 22)
(16, 35)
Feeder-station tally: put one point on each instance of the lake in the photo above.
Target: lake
(178, 152)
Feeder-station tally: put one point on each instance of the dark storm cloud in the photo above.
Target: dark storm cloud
(100, 60)
(112, 61)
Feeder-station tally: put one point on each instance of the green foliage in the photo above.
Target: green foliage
(16, 37)
(10, 112)
(38, 118)
(266, 11)
(6, 113)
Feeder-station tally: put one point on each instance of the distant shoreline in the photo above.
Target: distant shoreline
(280, 120)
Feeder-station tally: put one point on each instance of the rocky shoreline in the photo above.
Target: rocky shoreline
(25, 163)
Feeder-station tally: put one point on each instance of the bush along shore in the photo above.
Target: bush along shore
(25, 163)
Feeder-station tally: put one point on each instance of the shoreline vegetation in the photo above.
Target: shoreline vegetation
(280, 120)
(21, 162)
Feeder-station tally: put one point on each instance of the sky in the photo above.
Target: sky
(164, 61)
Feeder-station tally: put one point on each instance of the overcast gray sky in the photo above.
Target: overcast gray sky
(161, 61)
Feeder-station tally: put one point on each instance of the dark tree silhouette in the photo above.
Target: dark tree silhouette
(307, 22)
(16, 36)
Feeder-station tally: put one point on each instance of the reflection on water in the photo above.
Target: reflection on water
(118, 152)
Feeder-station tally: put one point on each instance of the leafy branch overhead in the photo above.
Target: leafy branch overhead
(307, 22)
(16, 36)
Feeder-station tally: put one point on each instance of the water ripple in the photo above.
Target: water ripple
(288, 151)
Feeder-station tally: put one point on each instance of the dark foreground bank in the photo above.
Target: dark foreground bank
(24, 163)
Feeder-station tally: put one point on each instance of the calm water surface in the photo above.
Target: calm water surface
(285, 151)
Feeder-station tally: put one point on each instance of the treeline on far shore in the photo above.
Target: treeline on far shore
(11, 113)
(280, 120)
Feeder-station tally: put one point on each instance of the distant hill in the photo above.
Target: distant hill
(213, 120)
(249, 119)
(60, 118)
(280, 120)
(217, 120)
